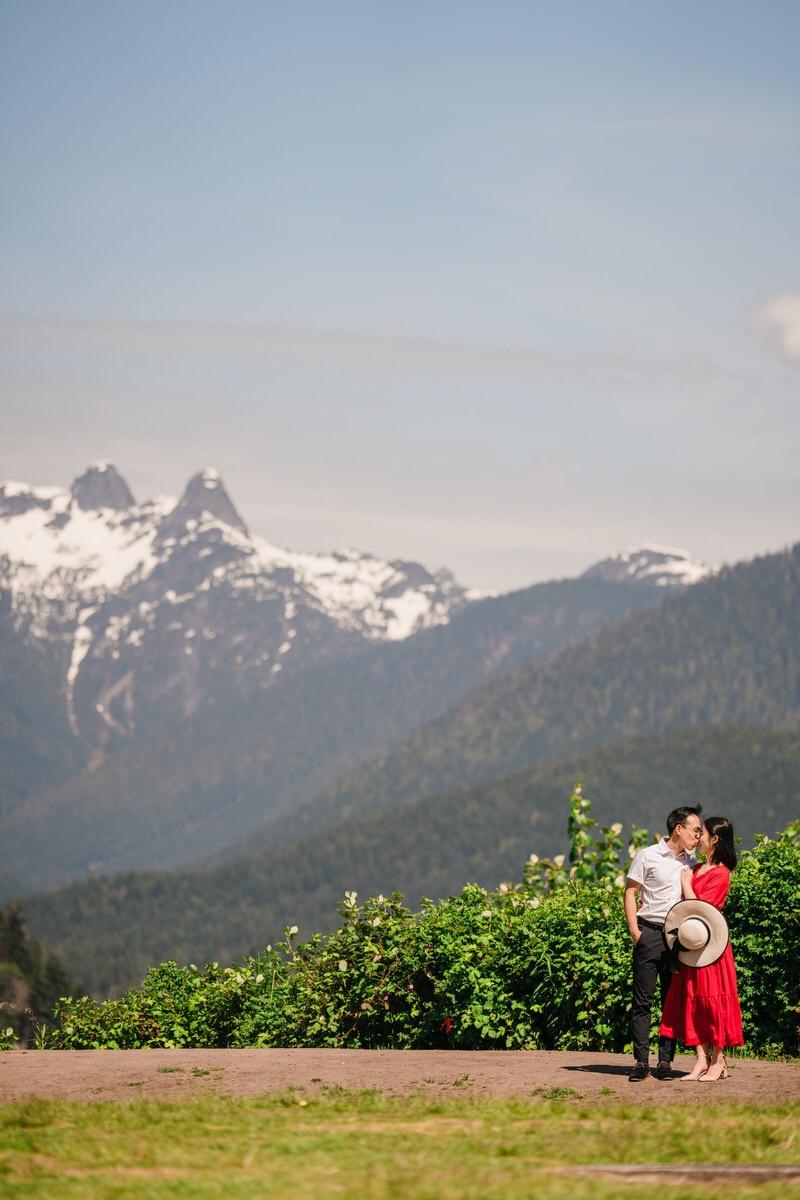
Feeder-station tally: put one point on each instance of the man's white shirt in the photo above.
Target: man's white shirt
(658, 871)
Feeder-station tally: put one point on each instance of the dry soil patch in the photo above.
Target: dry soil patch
(180, 1074)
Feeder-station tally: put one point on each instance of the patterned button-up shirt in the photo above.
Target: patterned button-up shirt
(658, 871)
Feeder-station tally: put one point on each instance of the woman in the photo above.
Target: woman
(702, 1005)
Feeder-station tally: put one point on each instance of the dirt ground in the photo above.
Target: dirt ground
(181, 1074)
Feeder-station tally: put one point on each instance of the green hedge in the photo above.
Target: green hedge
(763, 913)
(544, 964)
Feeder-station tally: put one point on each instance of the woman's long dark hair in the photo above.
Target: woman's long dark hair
(724, 851)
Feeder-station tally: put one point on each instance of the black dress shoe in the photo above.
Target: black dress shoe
(639, 1072)
(664, 1071)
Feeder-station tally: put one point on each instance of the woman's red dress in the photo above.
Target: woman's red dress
(702, 1005)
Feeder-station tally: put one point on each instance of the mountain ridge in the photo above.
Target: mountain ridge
(725, 649)
(154, 606)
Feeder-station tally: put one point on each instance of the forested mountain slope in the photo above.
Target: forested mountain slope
(200, 784)
(725, 650)
(110, 930)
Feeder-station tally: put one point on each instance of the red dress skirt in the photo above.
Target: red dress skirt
(702, 1005)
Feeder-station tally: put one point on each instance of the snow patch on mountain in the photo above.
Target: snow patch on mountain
(660, 565)
(81, 643)
(358, 590)
(69, 549)
(12, 489)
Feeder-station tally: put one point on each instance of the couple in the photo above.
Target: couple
(701, 1005)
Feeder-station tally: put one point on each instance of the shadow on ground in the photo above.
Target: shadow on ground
(608, 1069)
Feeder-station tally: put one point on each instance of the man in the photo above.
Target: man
(655, 874)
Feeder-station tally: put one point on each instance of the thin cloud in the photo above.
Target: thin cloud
(350, 349)
(781, 318)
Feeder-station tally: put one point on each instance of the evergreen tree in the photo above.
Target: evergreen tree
(31, 980)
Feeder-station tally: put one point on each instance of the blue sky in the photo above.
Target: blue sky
(501, 286)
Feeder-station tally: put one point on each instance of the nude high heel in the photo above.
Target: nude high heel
(696, 1074)
(690, 1078)
(715, 1078)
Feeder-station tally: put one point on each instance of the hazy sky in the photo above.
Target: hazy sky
(501, 286)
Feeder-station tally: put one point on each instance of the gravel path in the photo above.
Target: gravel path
(180, 1074)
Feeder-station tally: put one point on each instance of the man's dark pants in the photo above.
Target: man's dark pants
(651, 964)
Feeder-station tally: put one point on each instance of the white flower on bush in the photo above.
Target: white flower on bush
(350, 899)
(293, 930)
(533, 860)
(376, 922)
(487, 912)
(503, 889)
(616, 828)
(535, 902)
(342, 964)
(631, 850)
(381, 899)
(619, 880)
(558, 861)
(259, 978)
(239, 977)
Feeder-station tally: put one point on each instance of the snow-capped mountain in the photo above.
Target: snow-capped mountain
(159, 607)
(654, 564)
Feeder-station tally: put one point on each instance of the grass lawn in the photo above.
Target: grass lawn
(373, 1148)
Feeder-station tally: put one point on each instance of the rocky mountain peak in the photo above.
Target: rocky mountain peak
(205, 493)
(657, 565)
(101, 486)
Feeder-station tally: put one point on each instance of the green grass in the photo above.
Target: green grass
(365, 1145)
(559, 1093)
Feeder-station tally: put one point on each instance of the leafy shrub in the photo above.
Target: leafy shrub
(174, 1007)
(763, 912)
(545, 963)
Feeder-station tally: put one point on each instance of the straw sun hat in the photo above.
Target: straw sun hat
(700, 930)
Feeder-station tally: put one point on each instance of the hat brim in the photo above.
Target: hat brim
(714, 921)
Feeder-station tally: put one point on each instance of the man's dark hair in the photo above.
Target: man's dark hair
(679, 816)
